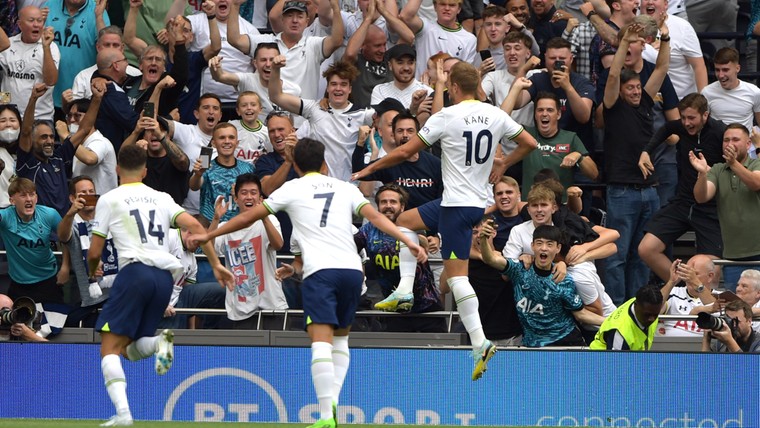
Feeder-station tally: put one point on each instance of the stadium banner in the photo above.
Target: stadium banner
(413, 386)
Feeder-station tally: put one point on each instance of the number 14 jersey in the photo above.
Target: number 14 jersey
(138, 217)
(469, 133)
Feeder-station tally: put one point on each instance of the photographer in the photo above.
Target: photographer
(735, 333)
(16, 331)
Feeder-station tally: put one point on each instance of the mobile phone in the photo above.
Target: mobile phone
(90, 200)
(728, 296)
(149, 109)
(559, 65)
(485, 54)
(206, 157)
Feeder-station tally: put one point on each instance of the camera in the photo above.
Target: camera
(710, 322)
(23, 311)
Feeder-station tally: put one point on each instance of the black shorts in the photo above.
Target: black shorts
(678, 217)
(471, 9)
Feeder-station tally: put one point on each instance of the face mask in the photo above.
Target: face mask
(9, 135)
(73, 128)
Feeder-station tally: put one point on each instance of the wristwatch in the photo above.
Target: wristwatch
(700, 288)
(590, 13)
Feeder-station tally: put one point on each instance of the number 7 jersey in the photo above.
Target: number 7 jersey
(321, 209)
(138, 217)
(469, 133)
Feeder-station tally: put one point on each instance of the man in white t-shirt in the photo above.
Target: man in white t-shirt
(321, 209)
(402, 61)
(251, 255)
(304, 53)
(732, 100)
(96, 157)
(687, 68)
(190, 138)
(32, 58)
(469, 132)
(443, 35)
(258, 81)
(337, 125)
(235, 60)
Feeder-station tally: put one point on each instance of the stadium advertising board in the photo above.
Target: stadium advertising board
(547, 388)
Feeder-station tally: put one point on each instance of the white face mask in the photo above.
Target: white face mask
(73, 128)
(9, 135)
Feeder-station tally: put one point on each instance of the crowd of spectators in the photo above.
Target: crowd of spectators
(635, 148)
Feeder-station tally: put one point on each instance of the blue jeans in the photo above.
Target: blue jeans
(628, 211)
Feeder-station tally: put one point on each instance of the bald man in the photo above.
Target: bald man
(116, 118)
(32, 58)
(699, 275)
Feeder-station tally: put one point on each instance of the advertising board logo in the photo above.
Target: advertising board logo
(217, 402)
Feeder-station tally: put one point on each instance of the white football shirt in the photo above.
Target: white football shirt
(139, 217)
(469, 133)
(321, 209)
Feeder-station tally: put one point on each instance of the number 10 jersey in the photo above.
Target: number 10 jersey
(469, 133)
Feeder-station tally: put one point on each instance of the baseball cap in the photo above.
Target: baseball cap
(388, 104)
(401, 50)
(295, 5)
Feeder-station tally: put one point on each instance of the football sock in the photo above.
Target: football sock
(407, 264)
(341, 357)
(467, 305)
(116, 383)
(141, 348)
(323, 376)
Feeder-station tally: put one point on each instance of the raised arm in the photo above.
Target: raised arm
(661, 65)
(389, 10)
(5, 42)
(219, 74)
(100, 14)
(612, 88)
(704, 189)
(356, 41)
(134, 43)
(409, 16)
(49, 67)
(177, 8)
(490, 256)
(27, 124)
(215, 38)
(288, 102)
(605, 31)
(87, 156)
(335, 39)
(518, 89)
(241, 42)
